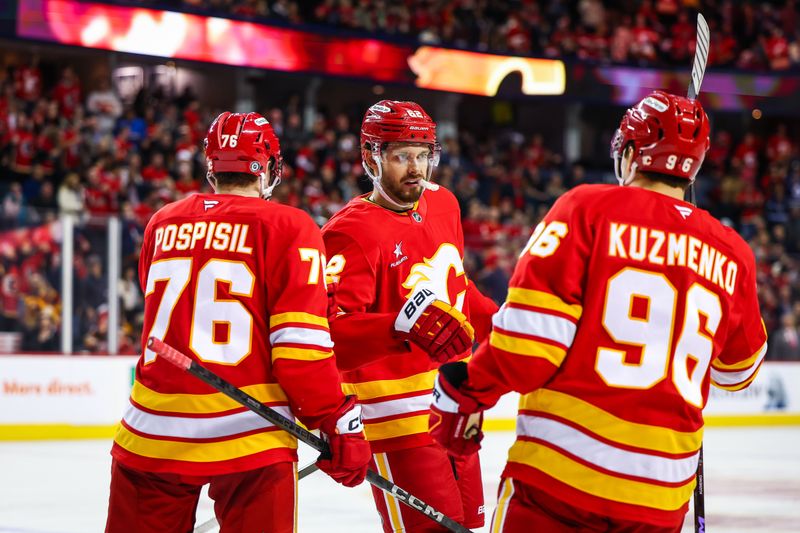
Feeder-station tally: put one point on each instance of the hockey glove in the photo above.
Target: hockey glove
(350, 451)
(456, 418)
(435, 326)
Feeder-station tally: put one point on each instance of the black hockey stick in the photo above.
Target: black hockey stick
(698, 71)
(192, 367)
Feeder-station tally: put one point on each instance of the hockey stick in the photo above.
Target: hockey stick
(192, 367)
(698, 71)
(212, 522)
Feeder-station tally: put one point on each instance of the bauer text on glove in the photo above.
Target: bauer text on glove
(435, 326)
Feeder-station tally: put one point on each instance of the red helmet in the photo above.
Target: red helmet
(242, 142)
(391, 121)
(669, 133)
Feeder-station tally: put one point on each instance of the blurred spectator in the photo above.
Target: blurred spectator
(784, 343)
(130, 295)
(753, 35)
(104, 104)
(13, 207)
(45, 338)
(504, 179)
(71, 195)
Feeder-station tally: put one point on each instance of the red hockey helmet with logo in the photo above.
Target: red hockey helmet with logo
(243, 142)
(391, 121)
(669, 134)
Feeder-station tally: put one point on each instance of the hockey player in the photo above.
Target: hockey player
(238, 283)
(405, 306)
(625, 304)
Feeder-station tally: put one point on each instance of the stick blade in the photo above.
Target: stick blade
(700, 56)
(169, 353)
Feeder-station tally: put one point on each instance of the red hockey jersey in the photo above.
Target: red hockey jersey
(624, 306)
(379, 257)
(236, 283)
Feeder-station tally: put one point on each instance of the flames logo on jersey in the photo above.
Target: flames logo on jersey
(443, 274)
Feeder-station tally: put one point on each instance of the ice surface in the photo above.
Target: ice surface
(752, 484)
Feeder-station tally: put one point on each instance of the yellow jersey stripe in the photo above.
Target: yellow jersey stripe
(545, 300)
(499, 518)
(392, 505)
(297, 317)
(299, 354)
(747, 363)
(610, 427)
(596, 483)
(202, 403)
(398, 427)
(527, 347)
(294, 498)
(203, 452)
(369, 390)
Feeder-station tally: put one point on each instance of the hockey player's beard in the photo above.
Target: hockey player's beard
(403, 191)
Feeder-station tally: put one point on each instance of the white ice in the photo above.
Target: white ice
(752, 484)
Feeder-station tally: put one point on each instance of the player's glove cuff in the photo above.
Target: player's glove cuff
(456, 417)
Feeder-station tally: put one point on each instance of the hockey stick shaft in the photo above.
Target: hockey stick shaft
(698, 72)
(702, 44)
(192, 367)
(700, 497)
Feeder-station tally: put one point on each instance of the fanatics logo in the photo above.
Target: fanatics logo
(416, 216)
(208, 204)
(398, 252)
(684, 211)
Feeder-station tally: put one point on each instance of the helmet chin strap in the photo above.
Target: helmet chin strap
(211, 181)
(618, 162)
(376, 183)
(266, 191)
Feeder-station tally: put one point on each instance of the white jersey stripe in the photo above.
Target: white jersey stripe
(293, 335)
(413, 404)
(723, 377)
(525, 322)
(198, 428)
(606, 456)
